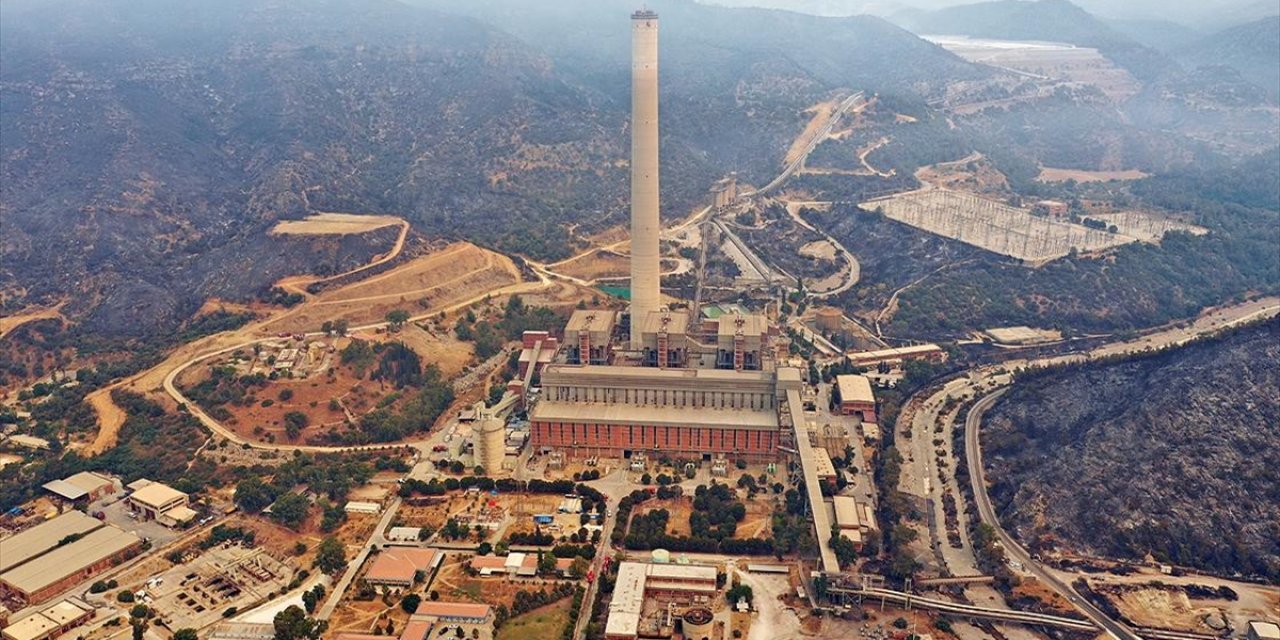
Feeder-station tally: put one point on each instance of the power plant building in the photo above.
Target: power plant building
(617, 411)
(659, 382)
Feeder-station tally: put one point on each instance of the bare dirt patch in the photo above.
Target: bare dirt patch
(453, 274)
(598, 264)
(820, 249)
(1051, 174)
(334, 224)
(679, 510)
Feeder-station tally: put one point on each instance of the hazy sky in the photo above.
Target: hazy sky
(1191, 12)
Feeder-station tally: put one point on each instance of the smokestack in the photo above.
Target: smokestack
(644, 171)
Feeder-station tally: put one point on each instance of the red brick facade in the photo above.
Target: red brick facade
(616, 441)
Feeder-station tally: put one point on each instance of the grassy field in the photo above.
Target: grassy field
(544, 622)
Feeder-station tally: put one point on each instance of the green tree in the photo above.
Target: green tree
(738, 592)
(293, 624)
(396, 318)
(330, 556)
(253, 495)
(410, 603)
(579, 567)
(185, 634)
(291, 510)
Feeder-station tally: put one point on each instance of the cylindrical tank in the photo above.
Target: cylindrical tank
(698, 623)
(661, 556)
(490, 444)
(828, 318)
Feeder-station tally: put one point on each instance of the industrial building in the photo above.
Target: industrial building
(455, 612)
(898, 355)
(617, 411)
(51, 621)
(856, 397)
(161, 503)
(61, 567)
(83, 487)
(1262, 630)
(637, 582)
(398, 566)
(33, 542)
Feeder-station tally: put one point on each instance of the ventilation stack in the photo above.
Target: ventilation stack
(644, 171)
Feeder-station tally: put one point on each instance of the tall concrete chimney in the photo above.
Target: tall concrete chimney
(644, 171)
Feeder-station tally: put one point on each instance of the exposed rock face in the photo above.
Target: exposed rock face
(1176, 455)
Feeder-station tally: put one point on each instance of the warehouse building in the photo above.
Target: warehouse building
(856, 397)
(63, 566)
(81, 488)
(33, 542)
(51, 621)
(898, 355)
(398, 566)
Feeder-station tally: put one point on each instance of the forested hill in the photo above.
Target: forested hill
(1047, 20)
(1252, 49)
(147, 147)
(1173, 455)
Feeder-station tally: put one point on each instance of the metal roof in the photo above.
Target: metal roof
(624, 414)
(64, 489)
(69, 559)
(21, 547)
(156, 495)
(855, 388)
(453, 610)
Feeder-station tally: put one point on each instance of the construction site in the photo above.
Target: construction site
(196, 593)
(993, 226)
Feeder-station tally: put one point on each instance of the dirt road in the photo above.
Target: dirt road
(9, 323)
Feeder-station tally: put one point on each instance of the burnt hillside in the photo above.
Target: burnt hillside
(1176, 455)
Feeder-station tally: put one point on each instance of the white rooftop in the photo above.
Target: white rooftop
(627, 601)
(855, 388)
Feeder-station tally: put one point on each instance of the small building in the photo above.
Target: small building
(1051, 208)
(154, 499)
(362, 507)
(489, 565)
(848, 515)
(82, 487)
(823, 466)
(179, 516)
(1262, 630)
(570, 504)
(51, 621)
(28, 442)
(404, 534)
(455, 612)
(856, 397)
(398, 566)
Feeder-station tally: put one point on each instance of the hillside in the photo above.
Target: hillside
(1252, 49)
(1172, 455)
(146, 152)
(1047, 20)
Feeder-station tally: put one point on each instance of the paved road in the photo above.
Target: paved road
(849, 103)
(375, 538)
(973, 454)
